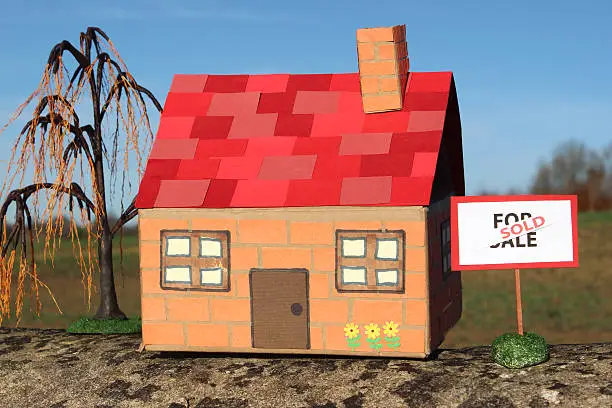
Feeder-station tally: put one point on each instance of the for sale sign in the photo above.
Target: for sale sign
(508, 232)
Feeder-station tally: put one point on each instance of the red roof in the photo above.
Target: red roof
(293, 140)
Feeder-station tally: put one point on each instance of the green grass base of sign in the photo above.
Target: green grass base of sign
(85, 325)
(512, 350)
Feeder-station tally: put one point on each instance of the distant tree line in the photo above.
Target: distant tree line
(574, 168)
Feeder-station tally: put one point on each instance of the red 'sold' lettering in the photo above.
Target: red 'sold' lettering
(521, 227)
(516, 227)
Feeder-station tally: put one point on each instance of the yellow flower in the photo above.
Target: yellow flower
(372, 330)
(390, 329)
(351, 330)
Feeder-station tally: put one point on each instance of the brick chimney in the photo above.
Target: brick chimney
(383, 67)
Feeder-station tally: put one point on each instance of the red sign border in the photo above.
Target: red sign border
(455, 200)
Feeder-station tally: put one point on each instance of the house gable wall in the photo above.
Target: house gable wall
(445, 306)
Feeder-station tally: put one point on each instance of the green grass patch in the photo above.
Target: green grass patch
(513, 350)
(595, 217)
(85, 325)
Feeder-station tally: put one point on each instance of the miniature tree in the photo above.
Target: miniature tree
(54, 144)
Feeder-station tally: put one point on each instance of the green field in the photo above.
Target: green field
(563, 305)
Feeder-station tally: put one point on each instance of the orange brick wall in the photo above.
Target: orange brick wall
(445, 296)
(222, 319)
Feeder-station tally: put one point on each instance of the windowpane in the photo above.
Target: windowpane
(386, 249)
(354, 247)
(178, 246)
(213, 276)
(210, 247)
(353, 274)
(387, 277)
(178, 274)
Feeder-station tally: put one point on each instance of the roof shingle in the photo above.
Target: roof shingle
(293, 140)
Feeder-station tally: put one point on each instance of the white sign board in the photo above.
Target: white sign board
(509, 232)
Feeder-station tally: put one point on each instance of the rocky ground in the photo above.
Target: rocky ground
(51, 368)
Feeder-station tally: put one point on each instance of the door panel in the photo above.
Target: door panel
(279, 308)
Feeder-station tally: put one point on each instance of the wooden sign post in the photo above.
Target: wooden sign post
(519, 305)
(513, 232)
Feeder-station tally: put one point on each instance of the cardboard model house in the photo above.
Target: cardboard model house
(304, 213)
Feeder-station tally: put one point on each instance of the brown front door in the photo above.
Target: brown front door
(279, 308)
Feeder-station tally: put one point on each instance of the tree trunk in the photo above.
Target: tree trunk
(109, 307)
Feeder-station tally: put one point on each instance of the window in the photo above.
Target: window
(445, 248)
(196, 260)
(370, 261)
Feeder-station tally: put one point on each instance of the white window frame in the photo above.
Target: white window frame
(202, 240)
(379, 241)
(353, 241)
(169, 268)
(379, 283)
(168, 244)
(354, 268)
(204, 270)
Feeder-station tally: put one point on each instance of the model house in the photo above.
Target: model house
(304, 213)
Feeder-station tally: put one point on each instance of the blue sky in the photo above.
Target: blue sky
(530, 74)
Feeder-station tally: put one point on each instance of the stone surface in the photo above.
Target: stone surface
(51, 368)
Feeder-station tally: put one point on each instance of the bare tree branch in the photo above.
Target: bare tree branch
(20, 197)
(78, 144)
(119, 84)
(127, 216)
(89, 37)
(49, 99)
(56, 53)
